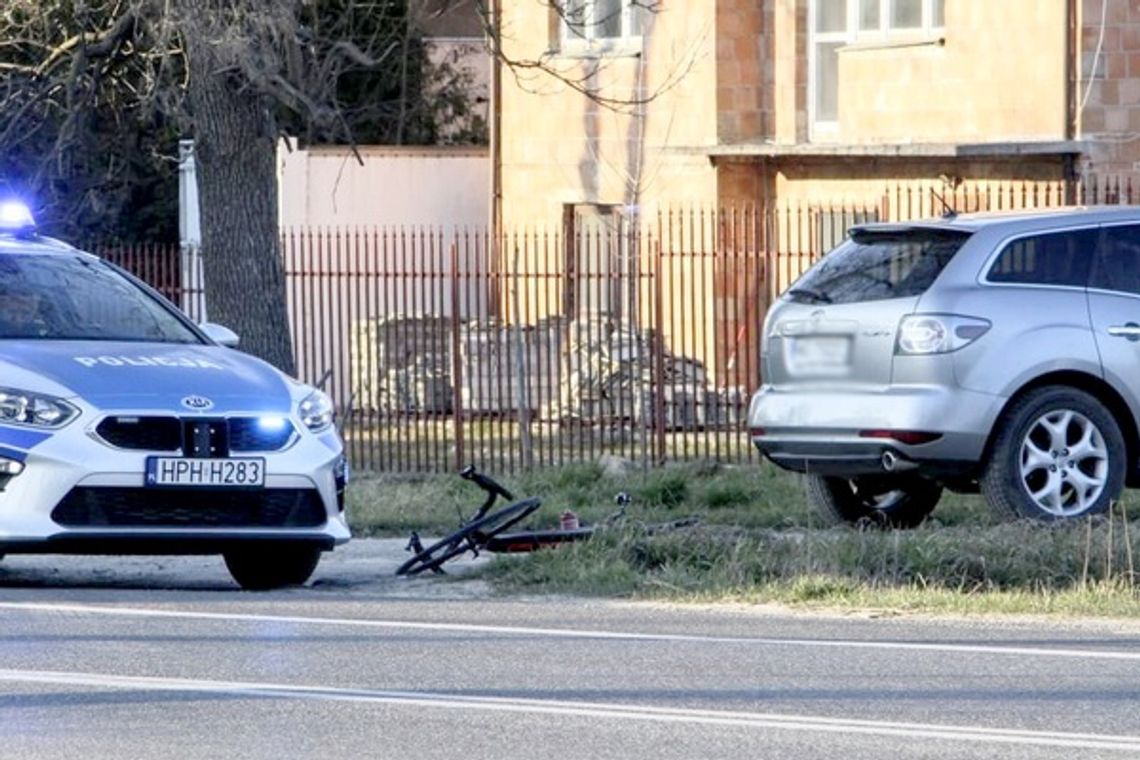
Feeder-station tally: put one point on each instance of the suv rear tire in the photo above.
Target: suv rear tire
(896, 502)
(1058, 454)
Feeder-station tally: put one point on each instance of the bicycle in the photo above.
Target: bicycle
(486, 532)
(473, 534)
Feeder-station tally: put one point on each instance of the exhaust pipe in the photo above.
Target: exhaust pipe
(892, 462)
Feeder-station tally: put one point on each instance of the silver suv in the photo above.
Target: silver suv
(991, 352)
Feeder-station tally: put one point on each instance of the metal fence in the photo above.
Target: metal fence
(637, 338)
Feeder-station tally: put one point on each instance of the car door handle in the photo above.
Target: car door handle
(1131, 331)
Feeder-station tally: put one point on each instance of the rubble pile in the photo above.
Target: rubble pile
(401, 364)
(589, 370)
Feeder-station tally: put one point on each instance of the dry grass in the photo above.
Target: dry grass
(758, 541)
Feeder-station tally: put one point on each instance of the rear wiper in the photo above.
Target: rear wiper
(815, 295)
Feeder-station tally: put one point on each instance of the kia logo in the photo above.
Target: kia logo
(197, 402)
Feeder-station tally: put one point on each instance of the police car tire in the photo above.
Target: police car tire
(268, 568)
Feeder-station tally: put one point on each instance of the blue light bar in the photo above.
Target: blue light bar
(15, 216)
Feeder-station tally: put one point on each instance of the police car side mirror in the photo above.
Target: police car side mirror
(220, 334)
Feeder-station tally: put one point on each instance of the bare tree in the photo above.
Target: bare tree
(234, 75)
(74, 133)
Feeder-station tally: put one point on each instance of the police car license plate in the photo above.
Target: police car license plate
(239, 472)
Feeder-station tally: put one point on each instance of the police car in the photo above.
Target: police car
(125, 428)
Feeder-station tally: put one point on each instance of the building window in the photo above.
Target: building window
(906, 14)
(834, 24)
(587, 22)
(869, 15)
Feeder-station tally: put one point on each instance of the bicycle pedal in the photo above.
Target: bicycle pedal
(414, 543)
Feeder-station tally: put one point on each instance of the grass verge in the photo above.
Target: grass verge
(759, 542)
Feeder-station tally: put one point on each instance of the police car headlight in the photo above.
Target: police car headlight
(316, 411)
(23, 408)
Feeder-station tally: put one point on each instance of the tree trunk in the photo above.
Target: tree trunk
(235, 156)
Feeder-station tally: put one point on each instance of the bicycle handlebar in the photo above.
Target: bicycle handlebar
(485, 482)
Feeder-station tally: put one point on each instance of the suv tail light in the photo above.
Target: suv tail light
(921, 334)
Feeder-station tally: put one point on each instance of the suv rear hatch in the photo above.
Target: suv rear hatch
(838, 323)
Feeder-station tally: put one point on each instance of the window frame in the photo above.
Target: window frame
(853, 34)
(582, 39)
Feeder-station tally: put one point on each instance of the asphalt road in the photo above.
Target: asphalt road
(140, 658)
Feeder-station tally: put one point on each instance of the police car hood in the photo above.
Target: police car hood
(145, 376)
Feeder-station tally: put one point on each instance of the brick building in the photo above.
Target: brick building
(805, 103)
(765, 100)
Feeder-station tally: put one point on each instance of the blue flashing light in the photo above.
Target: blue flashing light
(271, 424)
(15, 216)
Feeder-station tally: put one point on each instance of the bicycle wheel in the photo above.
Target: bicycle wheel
(471, 537)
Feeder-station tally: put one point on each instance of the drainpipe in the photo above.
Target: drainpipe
(1072, 112)
(495, 112)
(495, 106)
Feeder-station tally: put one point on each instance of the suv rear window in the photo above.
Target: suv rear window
(874, 265)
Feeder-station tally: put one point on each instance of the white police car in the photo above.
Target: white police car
(127, 429)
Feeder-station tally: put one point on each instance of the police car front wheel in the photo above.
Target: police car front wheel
(264, 568)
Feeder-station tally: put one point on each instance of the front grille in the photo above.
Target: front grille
(95, 507)
(195, 436)
(146, 433)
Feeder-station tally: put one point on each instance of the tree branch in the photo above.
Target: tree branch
(93, 44)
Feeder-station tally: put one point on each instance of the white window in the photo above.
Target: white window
(599, 21)
(834, 24)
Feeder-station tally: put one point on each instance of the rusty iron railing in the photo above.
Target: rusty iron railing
(631, 337)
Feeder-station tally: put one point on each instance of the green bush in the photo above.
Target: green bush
(667, 488)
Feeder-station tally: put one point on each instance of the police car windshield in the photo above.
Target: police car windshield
(65, 297)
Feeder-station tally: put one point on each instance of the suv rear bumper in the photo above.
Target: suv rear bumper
(818, 430)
